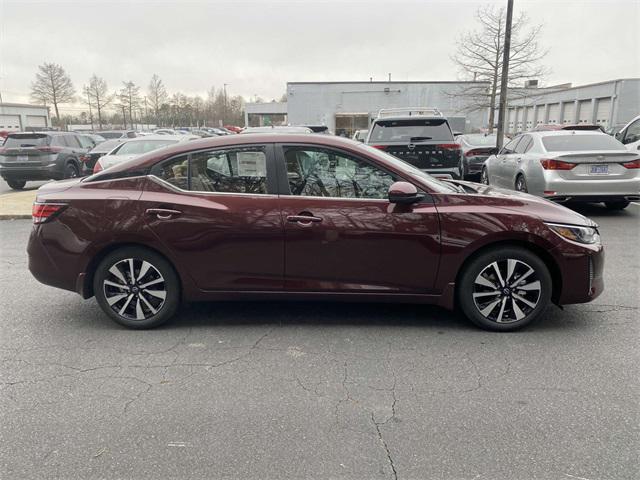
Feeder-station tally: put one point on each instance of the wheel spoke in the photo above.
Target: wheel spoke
(114, 284)
(497, 270)
(480, 280)
(157, 293)
(511, 266)
(152, 282)
(516, 310)
(524, 300)
(131, 271)
(530, 286)
(143, 270)
(116, 272)
(486, 294)
(126, 304)
(504, 302)
(489, 308)
(529, 272)
(139, 312)
(116, 298)
(149, 306)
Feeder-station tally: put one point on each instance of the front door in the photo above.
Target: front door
(341, 232)
(216, 212)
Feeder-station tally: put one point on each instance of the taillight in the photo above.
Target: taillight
(632, 164)
(41, 212)
(49, 149)
(473, 153)
(97, 167)
(380, 147)
(448, 146)
(551, 164)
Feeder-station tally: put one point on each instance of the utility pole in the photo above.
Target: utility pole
(505, 75)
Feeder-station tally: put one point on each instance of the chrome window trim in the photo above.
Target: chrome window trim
(163, 182)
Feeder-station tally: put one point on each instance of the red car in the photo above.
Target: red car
(306, 217)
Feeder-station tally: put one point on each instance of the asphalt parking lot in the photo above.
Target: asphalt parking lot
(310, 390)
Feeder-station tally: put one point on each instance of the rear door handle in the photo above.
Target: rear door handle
(303, 219)
(163, 213)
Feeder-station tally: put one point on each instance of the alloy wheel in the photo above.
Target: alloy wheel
(484, 178)
(521, 184)
(134, 289)
(506, 291)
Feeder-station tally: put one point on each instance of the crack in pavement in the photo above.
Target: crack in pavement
(385, 446)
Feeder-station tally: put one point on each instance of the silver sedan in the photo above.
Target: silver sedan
(576, 166)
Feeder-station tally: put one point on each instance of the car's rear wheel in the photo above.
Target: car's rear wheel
(521, 184)
(484, 176)
(504, 289)
(616, 205)
(71, 170)
(137, 288)
(16, 184)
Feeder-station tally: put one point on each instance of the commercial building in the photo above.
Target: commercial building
(610, 104)
(265, 114)
(15, 117)
(348, 106)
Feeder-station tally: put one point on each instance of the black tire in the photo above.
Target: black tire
(511, 312)
(134, 296)
(621, 205)
(484, 176)
(17, 184)
(71, 170)
(521, 184)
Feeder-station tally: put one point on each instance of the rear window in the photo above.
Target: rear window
(110, 134)
(411, 130)
(32, 140)
(578, 143)
(140, 147)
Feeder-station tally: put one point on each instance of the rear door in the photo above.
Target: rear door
(499, 173)
(341, 232)
(515, 160)
(427, 144)
(216, 211)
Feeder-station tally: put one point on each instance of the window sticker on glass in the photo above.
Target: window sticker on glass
(252, 164)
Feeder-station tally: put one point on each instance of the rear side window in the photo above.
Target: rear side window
(234, 170)
(35, 140)
(578, 143)
(72, 141)
(408, 131)
(86, 142)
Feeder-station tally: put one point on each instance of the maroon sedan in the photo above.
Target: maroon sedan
(306, 217)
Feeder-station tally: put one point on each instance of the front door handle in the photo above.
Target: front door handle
(303, 219)
(163, 213)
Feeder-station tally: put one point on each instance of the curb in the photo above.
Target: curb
(17, 216)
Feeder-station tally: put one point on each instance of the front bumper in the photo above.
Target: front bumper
(581, 271)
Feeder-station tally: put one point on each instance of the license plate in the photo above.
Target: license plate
(599, 169)
(22, 158)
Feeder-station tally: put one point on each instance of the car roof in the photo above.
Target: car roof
(552, 133)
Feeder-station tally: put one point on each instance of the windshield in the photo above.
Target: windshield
(142, 146)
(434, 183)
(480, 140)
(411, 130)
(579, 143)
(34, 140)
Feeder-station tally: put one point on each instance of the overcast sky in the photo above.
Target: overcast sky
(257, 46)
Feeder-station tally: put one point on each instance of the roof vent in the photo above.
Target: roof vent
(531, 84)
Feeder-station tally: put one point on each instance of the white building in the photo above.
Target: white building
(348, 106)
(15, 117)
(265, 114)
(611, 104)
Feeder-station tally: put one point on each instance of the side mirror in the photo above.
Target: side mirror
(618, 136)
(404, 193)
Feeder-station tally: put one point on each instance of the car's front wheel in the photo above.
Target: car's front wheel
(616, 205)
(71, 170)
(484, 176)
(137, 287)
(16, 184)
(504, 289)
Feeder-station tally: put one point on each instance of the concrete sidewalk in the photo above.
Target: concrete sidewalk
(17, 204)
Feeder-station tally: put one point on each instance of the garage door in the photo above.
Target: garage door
(511, 120)
(529, 120)
(36, 121)
(603, 110)
(348, 123)
(10, 123)
(519, 113)
(569, 113)
(584, 111)
(554, 114)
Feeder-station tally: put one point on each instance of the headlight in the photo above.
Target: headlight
(576, 234)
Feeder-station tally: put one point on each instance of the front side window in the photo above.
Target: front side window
(510, 147)
(524, 144)
(317, 172)
(234, 170)
(633, 133)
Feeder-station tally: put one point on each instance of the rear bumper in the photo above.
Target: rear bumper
(453, 173)
(36, 172)
(594, 189)
(43, 266)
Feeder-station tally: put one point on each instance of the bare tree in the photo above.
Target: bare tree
(52, 86)
(98, 96)
(157, 95)
(129, 97)
(479, 57)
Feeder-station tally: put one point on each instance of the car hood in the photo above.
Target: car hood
(546, 210)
